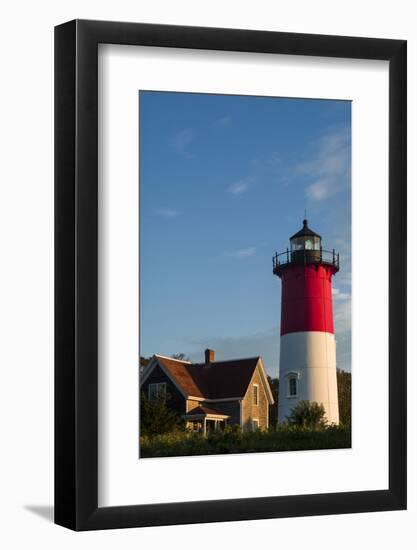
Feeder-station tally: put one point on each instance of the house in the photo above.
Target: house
(212, 394)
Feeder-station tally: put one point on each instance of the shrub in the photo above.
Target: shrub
(307, 414)
(344, 388)
(286, 438)
(156, 418)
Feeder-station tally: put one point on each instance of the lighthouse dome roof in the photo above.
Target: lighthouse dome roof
(305, 231)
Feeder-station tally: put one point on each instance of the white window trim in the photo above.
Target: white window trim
(156, 384)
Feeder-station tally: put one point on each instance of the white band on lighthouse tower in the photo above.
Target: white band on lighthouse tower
(308, 373)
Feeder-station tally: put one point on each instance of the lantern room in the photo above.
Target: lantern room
(305, 245)
(305, 248)
(305, 239)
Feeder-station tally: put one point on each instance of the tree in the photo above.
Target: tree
(143, 362)
(308, 414)
(273, 409)
(156, 418)
(344, 388)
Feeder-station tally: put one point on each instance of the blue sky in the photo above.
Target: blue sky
(224, 181)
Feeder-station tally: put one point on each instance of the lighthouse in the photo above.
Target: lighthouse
(307, 365)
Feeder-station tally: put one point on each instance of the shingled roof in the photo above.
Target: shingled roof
(181, 372)
(218, 380)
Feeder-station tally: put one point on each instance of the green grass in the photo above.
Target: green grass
(287, 438)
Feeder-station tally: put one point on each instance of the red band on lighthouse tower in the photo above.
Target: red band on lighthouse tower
(307, 299)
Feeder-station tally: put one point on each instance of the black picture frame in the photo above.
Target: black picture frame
(76, 272)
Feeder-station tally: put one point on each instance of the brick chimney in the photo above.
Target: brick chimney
(209, 356)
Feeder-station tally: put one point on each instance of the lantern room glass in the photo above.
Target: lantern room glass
(306, 242)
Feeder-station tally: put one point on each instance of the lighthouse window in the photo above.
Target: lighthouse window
(292, 386)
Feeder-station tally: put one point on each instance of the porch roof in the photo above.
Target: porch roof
(204, 412)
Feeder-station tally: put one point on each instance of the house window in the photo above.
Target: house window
(292, 386)
(255, 394)
(255, 424)
(155, 390)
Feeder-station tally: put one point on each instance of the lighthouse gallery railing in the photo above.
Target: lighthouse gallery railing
(305, 256)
